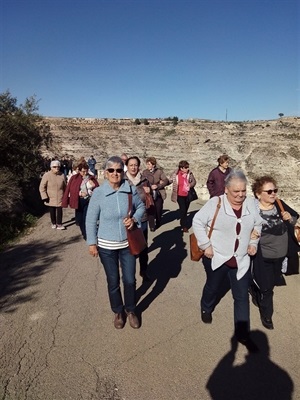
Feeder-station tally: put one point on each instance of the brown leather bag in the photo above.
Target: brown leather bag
(296, 227)
(135, 236)
(195, 252)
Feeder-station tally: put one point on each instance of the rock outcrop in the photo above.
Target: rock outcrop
(259, 147)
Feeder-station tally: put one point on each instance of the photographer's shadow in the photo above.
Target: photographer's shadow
(165, 266)
(257, 378)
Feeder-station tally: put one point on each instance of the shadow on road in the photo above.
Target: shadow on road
(165, 266)
(21, 268)
(257, 378)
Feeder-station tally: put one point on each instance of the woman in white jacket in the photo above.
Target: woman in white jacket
(227, 253)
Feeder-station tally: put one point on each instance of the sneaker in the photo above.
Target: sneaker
(60, 227)
(53, 226)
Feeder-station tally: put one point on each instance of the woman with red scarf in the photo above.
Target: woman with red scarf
(183, 180)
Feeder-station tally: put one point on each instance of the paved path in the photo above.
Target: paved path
(58, 341)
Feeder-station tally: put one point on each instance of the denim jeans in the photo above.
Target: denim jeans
(80, 215)
(216, 282)
(111, 260)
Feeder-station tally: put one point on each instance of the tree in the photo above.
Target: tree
(281, 115)
(22, 133)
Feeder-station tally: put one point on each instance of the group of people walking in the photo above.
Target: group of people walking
(250, 243)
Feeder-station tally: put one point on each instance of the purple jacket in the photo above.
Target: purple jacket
(215, 181)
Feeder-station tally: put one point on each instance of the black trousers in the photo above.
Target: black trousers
(154, 216)
(56, 215)
(184, 204)
(270, 275)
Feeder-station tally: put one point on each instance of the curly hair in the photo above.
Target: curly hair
(259, 183)
(152, 160)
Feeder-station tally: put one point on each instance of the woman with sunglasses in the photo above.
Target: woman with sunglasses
(182, 181)
(107, 221)
(277, 242)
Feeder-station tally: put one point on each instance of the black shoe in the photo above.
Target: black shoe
(249, 344)
(253, 295)
(267, 322)
(145, 276)
(206, 317)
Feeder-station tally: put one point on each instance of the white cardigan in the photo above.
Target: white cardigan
(224, 233)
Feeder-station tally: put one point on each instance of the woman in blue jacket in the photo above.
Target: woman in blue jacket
(109, 206)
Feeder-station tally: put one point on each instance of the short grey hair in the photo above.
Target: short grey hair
(235, 174)
(114, 160)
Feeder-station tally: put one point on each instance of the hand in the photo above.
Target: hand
(128, 222)
(209, 253)
(93, 250)
(286, 216)
(153, 187)
(83, 194)
(254, 234)
(251, 250)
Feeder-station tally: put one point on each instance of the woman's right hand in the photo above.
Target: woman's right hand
(209, 253)
(93, 250)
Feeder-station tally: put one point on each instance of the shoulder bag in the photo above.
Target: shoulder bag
(195, 252)
(135, 236)
(296, 227)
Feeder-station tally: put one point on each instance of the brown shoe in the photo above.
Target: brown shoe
(133, 320)
(119, 321)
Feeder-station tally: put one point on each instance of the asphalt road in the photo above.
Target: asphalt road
(58, 341)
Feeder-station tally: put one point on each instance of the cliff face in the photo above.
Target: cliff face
(260, 147)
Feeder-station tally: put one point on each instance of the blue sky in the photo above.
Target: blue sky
(153, 58)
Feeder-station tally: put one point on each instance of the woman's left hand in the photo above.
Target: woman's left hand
(251, 250)
(286, 216)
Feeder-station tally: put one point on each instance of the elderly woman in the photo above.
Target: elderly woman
(134, 177)
(158, 180)
(183, 180)
(109, 206)
(78, 193)
(227, 253)
(216, 178)
(52, 188)
(277, 242)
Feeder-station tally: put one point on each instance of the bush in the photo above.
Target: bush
(22, 133)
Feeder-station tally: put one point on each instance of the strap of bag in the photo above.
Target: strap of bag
(129, 204)
(278, 201)
(214, 218)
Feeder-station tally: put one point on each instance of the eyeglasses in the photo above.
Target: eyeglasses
(55, 167)
(270, 191)
(112, 170)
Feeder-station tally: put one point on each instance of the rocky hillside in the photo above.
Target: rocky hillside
(260, 147)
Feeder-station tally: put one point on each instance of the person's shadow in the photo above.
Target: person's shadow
(165, 266)
(258, 378)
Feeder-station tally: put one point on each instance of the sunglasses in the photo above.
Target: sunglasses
(112, 170)
(55, 167)
(270, 191)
